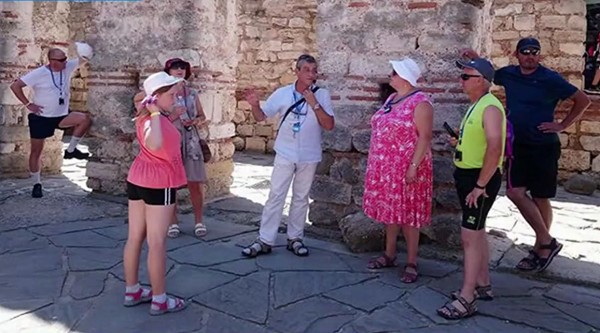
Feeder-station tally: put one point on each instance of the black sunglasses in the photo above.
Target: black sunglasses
(465, 77)
(178, 65)
(530, 51)
(60, 60)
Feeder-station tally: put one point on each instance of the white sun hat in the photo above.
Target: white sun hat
(84, 50)
(159, 80)
(407, 69)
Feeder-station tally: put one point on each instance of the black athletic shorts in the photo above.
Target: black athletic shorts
(151, 196)
(465, 180)
(535, 167)
(43, 127)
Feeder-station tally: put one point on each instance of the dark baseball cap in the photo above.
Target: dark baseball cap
(528, 43)
(482, 65)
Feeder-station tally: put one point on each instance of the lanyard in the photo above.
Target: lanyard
(388, 106)
(60, 88)
(462, 126)
(298, 108)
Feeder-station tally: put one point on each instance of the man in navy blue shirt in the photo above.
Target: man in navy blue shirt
(532, 94)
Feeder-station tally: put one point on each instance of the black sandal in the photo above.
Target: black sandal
(554, 248)
(410, 277)
(256, 249)
(483, 293)
(530, 262)
(451, 312)
(383, 261)
(296, 246)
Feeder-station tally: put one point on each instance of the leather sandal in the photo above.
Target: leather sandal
(408, 277)
(297, 247)
(256, 248)
(383, 261)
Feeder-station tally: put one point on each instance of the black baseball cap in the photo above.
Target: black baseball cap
(528, 43)
(482, 65)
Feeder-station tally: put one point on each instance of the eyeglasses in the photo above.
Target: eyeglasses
(465, 77)
(530, 52)
(60, 60)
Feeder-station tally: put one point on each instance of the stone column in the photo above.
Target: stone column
(133, 40)
(29, 30)
(356, 40)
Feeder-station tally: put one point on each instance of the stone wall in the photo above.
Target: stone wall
(356, 40)
(28, 29)
(129, 47)
(272, 34)
(560, 25)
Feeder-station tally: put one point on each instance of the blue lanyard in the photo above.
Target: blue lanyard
(462, 127)
(60, 88)
(298, 108)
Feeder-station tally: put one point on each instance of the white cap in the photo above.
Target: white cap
(159, 80)
(407, 69)
(84, 50)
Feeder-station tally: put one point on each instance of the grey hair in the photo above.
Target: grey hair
(305, 58)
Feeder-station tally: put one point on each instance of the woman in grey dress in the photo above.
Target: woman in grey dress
(187, 115)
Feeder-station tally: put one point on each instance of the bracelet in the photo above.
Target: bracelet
(152, 114)
(413, 164)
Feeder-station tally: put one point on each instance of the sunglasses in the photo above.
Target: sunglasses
(530, 52)
(465, 77)
(178, 65)
(60, 60)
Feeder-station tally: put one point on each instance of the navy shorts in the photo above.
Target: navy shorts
(535, 167)
(43, 127)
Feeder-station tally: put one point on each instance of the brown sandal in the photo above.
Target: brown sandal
(410, 277)
(255, 249)
(451, 312)
(382, 261)
(483, 293)
(530, 262)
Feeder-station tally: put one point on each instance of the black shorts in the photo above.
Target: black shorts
(43, 127)
(535, 167)
(151, 196)
(465, 180)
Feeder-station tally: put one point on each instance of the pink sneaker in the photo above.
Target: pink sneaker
(162, 308)
(133, 299)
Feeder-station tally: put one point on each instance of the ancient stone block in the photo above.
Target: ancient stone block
(328, 214)
(361, 140)
(447, 198)
(14, 133)
(568, 36)
(596, 164)
(221, 131)
(239, 143)
(581, 184)
(564, 140)
(102, 171)
(343, 170)
(524, 22)
(505, 35)
(543, 6)
(443, 169)
(361, 233)
(590, 143)
(6, 148)
(255, 144)
(326, 189)
(509, 10)
(570, 7)
(245, 130)
(572, 48)
(239, 117)
(577, 23)
(553, 21)
(327, 161)
(574, 160)
(339, 139)
(590, 127)
(444, 229)
(297, 22)
(262, 130)
(271, 146)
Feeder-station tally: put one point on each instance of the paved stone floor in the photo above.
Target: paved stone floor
(61, 271)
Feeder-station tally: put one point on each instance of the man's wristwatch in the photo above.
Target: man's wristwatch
(317, 106)
(479, 187)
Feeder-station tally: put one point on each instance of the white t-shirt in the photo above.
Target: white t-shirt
(303, 146)
(47, 92)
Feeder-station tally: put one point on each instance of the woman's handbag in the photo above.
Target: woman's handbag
(207, 155)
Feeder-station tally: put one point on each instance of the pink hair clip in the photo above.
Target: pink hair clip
(148, 100)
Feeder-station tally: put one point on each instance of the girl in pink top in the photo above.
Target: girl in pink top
(153, 178)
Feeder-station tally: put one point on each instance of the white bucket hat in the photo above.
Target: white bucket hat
(159, 80)
(407, 69)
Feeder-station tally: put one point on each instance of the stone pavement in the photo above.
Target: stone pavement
(61, 271)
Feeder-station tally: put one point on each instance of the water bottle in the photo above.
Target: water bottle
(184, 116)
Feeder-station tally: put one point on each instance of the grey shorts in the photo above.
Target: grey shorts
(195, 171)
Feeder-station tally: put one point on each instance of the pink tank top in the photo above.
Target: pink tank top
(162, 168)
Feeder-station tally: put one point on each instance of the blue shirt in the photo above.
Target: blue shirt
(531, 100)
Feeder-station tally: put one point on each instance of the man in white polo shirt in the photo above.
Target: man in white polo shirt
(304, 110)
(49, 110)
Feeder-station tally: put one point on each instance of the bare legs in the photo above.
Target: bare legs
(538, 213)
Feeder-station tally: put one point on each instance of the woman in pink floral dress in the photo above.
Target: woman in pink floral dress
(399, 177)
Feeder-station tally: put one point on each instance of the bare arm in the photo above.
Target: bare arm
(17, 89)
(325, 120)
(493, 120)
(582, 101)
(424, 122)
(252, 99)
(153, 137)
(199, 109)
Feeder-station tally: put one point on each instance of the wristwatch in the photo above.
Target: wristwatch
(479, 187)
(317, 106)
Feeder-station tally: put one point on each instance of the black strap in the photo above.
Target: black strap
(314, 90)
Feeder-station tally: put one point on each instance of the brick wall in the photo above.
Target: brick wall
(272, 35)
(560, 26)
